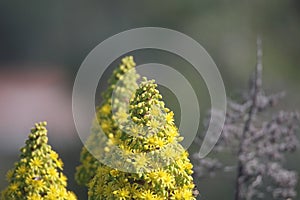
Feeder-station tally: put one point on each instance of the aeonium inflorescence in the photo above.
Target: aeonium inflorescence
(148, 148)
(123, 81)
(38, 175)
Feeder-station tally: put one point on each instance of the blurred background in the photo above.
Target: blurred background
(43, 43)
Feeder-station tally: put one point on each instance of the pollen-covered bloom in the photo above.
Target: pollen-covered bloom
(37, 175)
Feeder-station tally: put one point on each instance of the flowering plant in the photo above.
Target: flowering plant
(38, 174)
(133, 151)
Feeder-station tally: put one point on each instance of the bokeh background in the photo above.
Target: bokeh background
(42, 44)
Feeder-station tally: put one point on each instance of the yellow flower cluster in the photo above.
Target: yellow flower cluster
(37, 175)
(124, 82)
(140, 153)
(149, 148)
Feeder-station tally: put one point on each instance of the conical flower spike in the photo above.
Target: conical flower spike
(158, 138)
(123, 82)
(38, 174)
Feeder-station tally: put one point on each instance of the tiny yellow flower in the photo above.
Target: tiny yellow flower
(170, 117)
(122, 194)
(36, 163)
(147, 195)
(21, 171)
(34, 197)
(9, 175)
(13, 187)
(106, 109)
(53, 155)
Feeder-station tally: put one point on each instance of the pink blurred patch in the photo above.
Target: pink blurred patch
(32, 95)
